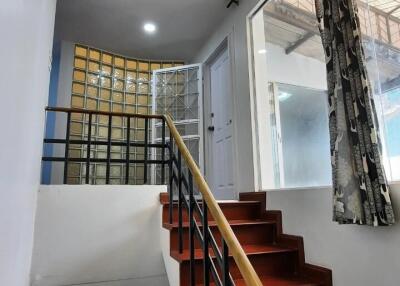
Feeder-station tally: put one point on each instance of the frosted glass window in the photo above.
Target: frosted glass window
(302, 140)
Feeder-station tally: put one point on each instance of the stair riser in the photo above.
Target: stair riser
(231, 212)
(264, 264)
(246, 234)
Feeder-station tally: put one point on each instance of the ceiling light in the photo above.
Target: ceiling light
(149, 28)
(262, 51)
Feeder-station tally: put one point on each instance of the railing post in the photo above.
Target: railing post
(180, 228)
(225, 264)
(163, 153)
(88, 149)
(146, 139)
(206, 263)
(66, 154)
(108, 150)
(128, 146)
(171, 183)
(191, 231)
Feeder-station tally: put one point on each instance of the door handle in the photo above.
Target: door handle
(211, 128)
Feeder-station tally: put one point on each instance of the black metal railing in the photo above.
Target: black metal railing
(187, 190)
(109, 143)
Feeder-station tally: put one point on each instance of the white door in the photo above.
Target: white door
(221, 128)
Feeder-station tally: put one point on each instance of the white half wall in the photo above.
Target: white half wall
(102, 235)
(26, 29)
(357, 255)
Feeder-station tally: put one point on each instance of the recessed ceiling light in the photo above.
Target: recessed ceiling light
(149, 28)
(262, 51)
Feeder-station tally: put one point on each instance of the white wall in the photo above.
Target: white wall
(235, 23)
(357, 255)
(26, 29)
(92, 234)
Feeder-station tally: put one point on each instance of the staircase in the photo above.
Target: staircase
(277, 258)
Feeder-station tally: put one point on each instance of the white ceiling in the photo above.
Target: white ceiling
(117, 25)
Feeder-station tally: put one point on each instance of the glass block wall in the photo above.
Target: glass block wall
(109, 82)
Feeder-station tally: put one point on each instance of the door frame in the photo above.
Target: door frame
(226, 44)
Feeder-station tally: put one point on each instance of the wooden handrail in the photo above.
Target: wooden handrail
(242, 261)
(246, 269)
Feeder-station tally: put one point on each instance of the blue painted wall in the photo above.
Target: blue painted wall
(50, 117)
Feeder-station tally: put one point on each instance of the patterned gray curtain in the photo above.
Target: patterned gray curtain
(360, 190)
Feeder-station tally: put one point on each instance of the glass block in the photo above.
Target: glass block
(92, 91)
(178, 64)
(130, 75)
(107, 58)
(140, 123)
(103, 131)
(144, 77)
(94, 55)
(106, 82)
(116, 133)
(91, 104)
(130, 108)
(155, 66)
(81, 51)
(77, 116)
(167, 65)
(74, 153)
(74, 169)
(143, 66)
(139, 172)
(117, 107)
(142, 110)
(143, 87)
(93, 79)
(119, 73)
(131, 64)
(76, 101)
(130, 98)
(130, 86)
(105, 94)
(104, 106)
(78, 88)
(79, 75)
(94, 67)
(80, 63)
(106, 70)
(76, 128)
(118, 96)
(119, 62)
(118, 84)
(100, 181)
(142, 99)
(101, 170)
(117, 121)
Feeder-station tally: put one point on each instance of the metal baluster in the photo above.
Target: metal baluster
(163, 153)
(206, 263)
(225, 264)
(108, 150)
(128, 145)
(88, 149)
(171, 183)
(67, 147)
(146, 135)
(191, 231)
(180, 228)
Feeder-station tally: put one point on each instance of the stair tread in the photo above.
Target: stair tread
(234, 222)
(249, 249)
(221, 203)
(278, 281)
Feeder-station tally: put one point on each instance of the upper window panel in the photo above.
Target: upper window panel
(290, 89)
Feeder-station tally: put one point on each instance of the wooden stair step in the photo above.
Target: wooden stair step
(234, 222)
(278, 281)
(233, 210)
(250, 249)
